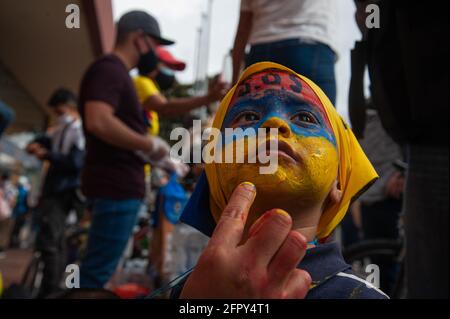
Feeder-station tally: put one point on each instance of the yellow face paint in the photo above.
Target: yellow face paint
(307, 157)
(323, 150)
(306, 183)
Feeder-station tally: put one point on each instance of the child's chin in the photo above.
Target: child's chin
(285, 181)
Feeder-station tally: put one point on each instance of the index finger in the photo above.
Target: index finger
(230, 227)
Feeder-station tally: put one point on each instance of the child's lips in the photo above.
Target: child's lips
(286, 150)
(282, 149)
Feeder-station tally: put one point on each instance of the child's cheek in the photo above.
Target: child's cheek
(319, 167)
(237, 169)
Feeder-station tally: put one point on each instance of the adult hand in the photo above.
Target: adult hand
(37, 150)
(156, 149)
(32, 147)
(217, 89)
(264, 267)
(361, 16)
(395, 184)
(177, 166)
(41, 153)
(159, 149)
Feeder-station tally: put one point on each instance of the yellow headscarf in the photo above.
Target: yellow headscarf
(356, 173)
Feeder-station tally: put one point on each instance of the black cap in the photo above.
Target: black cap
(135, 20)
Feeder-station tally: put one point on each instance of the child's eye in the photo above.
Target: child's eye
(304, 117)
(246, 118)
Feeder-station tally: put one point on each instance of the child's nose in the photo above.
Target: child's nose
(275, 122)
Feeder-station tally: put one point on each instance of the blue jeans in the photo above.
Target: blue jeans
(111, 227)
(311, 59)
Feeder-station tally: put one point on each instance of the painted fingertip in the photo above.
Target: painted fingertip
(282, 213)
(281, 216)
(248, 185)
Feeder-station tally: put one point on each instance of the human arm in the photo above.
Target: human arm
(357, 104)
(101, 122)
(73, 161)
(178, 106)
(240, 42)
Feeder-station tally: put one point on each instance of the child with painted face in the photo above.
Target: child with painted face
(321, 169)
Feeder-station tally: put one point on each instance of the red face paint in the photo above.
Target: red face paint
(257, 84)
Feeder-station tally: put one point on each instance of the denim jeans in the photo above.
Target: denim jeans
(111, 227)
(311, 59)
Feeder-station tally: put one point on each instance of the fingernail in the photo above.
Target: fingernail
(259, 223)
(249, 186)
(282, 213)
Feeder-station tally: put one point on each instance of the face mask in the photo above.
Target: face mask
(148, 62)
(65, 119)
(165, 78)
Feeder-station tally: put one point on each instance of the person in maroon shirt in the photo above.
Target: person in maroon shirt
(113, 175)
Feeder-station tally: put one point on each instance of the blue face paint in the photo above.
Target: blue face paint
(304, 119)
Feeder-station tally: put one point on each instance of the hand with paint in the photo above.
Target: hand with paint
(265, 266)
(217, 88)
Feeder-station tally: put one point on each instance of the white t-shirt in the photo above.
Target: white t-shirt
(71, 133)
(275, 20)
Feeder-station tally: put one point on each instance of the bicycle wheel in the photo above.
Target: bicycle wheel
(76, 240)
(387, 255)
(31, 281)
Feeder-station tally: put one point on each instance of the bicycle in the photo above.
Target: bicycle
(32, 278)
(362, 254)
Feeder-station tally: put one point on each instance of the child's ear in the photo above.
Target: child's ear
(334, 196)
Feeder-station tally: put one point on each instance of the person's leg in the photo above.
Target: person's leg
(112, 225)
(380, 221)
(5, 230)
(258, 53)
(15, 235)
(311, 59)
(350, 233)
(48, 242)
(324, 72)
(426, 222)
(316, 62)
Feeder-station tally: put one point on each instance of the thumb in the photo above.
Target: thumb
(230, 227)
